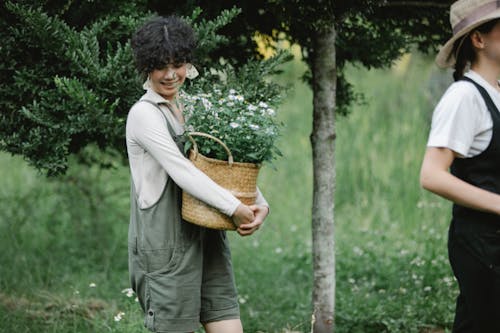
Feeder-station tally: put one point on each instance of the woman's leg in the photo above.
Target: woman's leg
(224, 326)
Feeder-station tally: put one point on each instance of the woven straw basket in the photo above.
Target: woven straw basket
(239, 178)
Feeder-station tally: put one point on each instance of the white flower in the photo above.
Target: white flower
(263, 105)
(278, 250)
(232, 91)
(251, 107)
(271, 112)
(254, 127)
(234, 125)
(119, 316)
(239, 98)
(427, 289)
(128, 291)
(92, 285)
(206, 103)
(230, 104)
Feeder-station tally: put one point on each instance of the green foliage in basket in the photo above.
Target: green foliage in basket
(240, 109)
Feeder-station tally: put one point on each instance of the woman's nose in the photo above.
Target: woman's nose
(171, 74)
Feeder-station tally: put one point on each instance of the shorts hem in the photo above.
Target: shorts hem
(219, 315)
(174, 325)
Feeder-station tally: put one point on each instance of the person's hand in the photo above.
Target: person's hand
(243, 215)
(261, 213)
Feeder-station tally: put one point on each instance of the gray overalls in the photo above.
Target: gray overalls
(181, 273)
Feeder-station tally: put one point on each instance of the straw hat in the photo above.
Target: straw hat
(465, 16)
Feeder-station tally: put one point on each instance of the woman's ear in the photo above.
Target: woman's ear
(477, 40)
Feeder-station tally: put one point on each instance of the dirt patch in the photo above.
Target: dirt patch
(49, 307)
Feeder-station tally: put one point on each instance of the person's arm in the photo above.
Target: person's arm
(435, 177)
(148, 128)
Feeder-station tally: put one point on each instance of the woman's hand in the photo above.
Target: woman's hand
(243, 215)
(261, 213)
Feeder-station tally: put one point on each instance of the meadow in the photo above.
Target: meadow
(63, 261)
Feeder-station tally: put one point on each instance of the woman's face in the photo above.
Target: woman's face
(166, 81)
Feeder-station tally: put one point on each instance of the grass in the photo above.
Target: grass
(60, 237)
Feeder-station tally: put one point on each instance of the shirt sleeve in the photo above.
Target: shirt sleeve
(149, 130)
(455, 119)
(261, 201)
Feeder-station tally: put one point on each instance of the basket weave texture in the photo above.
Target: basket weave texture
(239, 178)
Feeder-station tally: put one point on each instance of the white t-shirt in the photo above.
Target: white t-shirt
(461, 120)
(154, 156)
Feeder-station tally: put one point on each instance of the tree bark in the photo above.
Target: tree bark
(323, 147)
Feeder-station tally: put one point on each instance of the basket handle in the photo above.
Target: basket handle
(195, 146)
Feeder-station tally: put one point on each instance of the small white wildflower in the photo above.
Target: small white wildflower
(76, 292)
(92, 285)
(427, 289)
(254, 127)
(239, 98)
(234, 125)
(251, 107)
(232, 91)
(119, 316)
(278, 250)
(263, 105)
(352, 281)
(358, 251)
(242, 300)
(230, 104)
(448, 281)
(128, 291)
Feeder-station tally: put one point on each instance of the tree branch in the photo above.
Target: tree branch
(414, 4)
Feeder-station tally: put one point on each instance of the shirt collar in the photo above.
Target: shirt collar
(154, 97)
(481, 81)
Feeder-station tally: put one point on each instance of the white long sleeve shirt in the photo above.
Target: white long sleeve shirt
(154, 156)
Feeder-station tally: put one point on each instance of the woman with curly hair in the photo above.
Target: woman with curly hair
(181, 272)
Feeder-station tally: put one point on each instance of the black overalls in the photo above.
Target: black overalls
(474, 239)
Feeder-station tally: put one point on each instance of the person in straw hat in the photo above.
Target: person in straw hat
(462, 161)
(182, 273)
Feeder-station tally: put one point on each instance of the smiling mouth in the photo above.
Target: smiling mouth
(170, 84)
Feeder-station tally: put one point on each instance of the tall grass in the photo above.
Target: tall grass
(60, 237)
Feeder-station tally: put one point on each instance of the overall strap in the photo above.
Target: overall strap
(492, 108)
(170, 128)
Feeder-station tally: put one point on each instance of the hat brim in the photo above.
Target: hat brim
(445, 58)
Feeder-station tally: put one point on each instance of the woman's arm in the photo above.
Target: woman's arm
(435, 177)
(147, 127)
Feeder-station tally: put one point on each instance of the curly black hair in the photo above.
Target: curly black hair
(163, 40)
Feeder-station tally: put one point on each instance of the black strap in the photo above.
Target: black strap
(487, 98)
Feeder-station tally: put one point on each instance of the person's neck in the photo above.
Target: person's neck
(488, 71)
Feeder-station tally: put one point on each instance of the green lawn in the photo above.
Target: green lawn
(63, 262)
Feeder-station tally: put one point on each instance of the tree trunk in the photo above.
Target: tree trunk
(323, 148)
